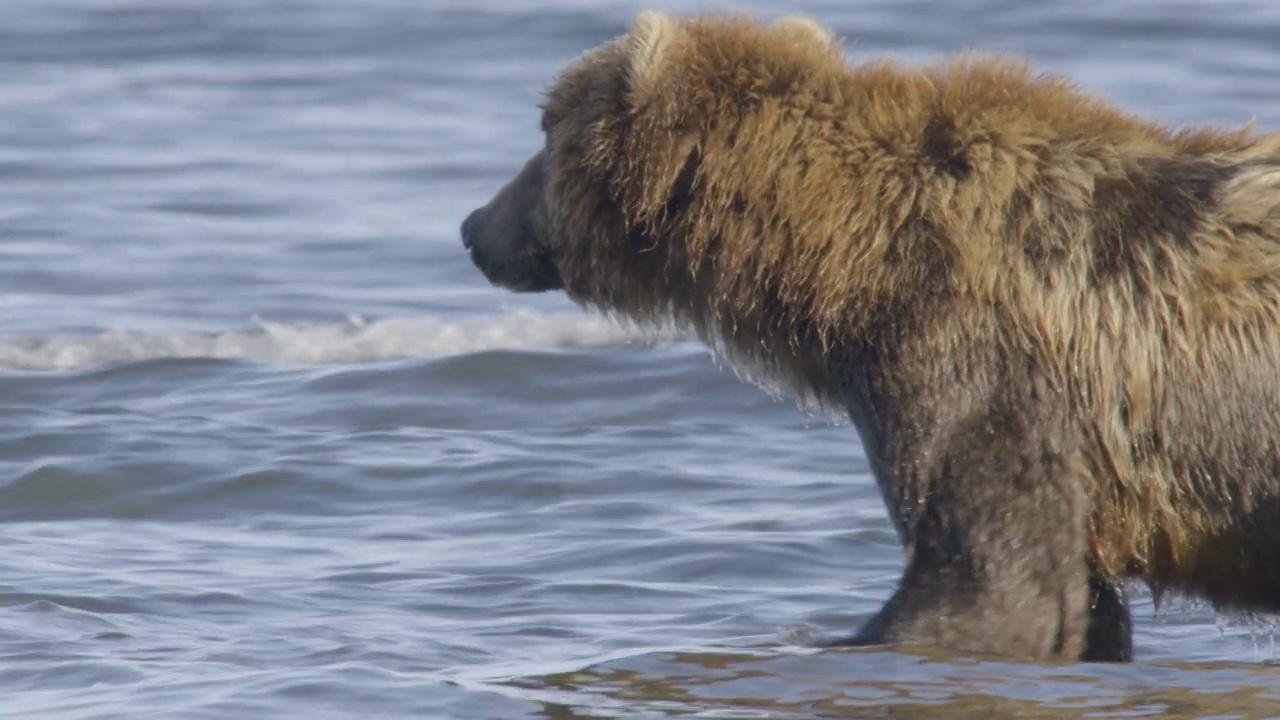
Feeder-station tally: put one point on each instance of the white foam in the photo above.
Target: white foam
(352, 341)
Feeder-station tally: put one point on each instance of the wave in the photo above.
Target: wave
(351, 341)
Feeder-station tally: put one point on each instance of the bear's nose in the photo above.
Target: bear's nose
(469, 229)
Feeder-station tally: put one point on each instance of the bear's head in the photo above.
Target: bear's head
(603, 210)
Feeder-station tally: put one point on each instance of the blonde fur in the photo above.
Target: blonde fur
(805, 29)
(653, 33)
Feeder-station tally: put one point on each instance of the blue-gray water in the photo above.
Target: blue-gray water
(271, 448)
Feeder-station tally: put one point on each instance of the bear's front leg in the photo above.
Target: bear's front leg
(990, 589)
(992, 507)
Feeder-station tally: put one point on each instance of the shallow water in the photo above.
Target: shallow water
(269, 446)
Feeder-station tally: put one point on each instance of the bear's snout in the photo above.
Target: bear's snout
(507, 251)
(469, 228)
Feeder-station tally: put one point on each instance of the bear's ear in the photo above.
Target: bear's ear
(805, 29)
(652, 35)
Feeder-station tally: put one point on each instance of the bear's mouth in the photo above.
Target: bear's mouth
(527, 272)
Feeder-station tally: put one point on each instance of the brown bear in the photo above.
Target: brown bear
(1054, 325)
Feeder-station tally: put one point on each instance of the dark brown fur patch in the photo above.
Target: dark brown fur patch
(1157, 205)
(942, 145)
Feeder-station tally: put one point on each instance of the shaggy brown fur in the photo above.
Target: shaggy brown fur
(1056, 326)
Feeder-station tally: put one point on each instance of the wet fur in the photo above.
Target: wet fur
(1055, 325)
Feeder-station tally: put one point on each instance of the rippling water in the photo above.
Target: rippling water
(270, 447)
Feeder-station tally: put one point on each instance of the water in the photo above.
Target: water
(270, 447)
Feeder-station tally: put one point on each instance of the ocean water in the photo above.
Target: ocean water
(271, 448)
